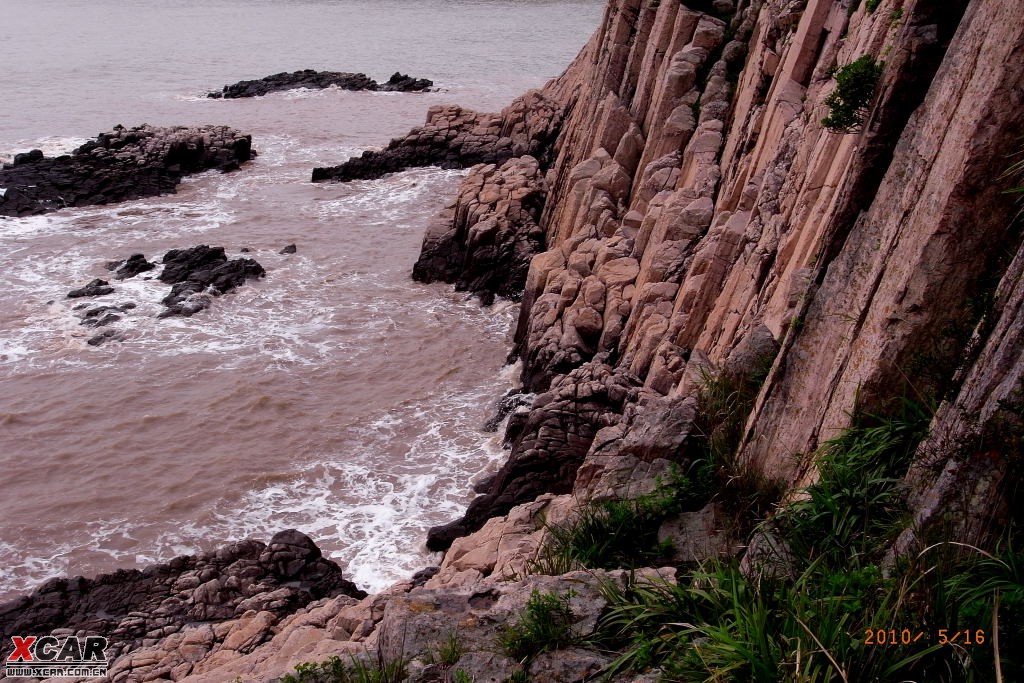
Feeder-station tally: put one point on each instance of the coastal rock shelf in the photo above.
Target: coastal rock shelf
(123, 164)
(454, 137)
(133, 607)
(318, 80)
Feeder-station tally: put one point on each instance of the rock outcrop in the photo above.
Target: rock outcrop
(454, 137)
(123, 164)
(484, 241)
(197, 595)
(699, 217)
(199, 273)
(318, 80)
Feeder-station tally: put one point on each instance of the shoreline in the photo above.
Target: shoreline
(722, 293)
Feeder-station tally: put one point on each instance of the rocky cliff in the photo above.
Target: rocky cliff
(740, 232)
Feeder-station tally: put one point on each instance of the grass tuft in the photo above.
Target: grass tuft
(337, 670)
(545, 625)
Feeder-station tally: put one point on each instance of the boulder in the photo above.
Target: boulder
(131, 607)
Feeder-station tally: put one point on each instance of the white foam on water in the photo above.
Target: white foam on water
(51, 146)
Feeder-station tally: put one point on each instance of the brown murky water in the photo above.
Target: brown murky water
(336, 395)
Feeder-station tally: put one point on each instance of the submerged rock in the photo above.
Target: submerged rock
(318, 80)
(122, 164)
(97, 287)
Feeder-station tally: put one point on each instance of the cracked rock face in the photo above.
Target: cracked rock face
(122, 164)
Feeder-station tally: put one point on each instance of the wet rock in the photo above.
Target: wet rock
(424, 575)
(132, 266)
(552, 444)
(199, 273)
(402, 83)
(318, 80)
(186, 306)
(103, 337)
(180, 264)
(290, 249)
(454, 137)
(509, 403)
(122, 164)
(97, 287)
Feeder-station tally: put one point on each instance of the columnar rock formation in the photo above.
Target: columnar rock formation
(699, 221)
(125, 163)
(699, 215)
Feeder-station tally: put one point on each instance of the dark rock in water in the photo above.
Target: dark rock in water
(103, 337)
(202, 269)
(122, 164)
(28, 157)
(92, 318)
(424, 575)
(186, 307)
(510, 402)
(95, 288)
(402, 83)
(245, 250)
(108, 319)
(290, 249)
(135, 264)
(179, 264)
(318, 80)
(127, 605)
(550, 447)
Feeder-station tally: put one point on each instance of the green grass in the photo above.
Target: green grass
(617, 534)
(856, 508)
(850, 101)
(545, 625)
(613, 534)
(717, 625)
(450, 651)
(337, 670)
(606, 535)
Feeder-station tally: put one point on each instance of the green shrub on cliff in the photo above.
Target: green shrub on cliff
(855, 87)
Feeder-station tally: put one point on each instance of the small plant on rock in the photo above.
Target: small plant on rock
(335, 670)
(545, 625)
(855, 87)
